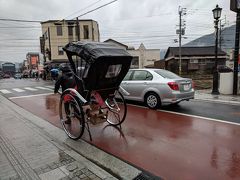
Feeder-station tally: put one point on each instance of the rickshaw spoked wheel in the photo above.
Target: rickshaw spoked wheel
(71, 116)
(117, 109)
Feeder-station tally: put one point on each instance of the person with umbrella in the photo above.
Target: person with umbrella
(54, 73)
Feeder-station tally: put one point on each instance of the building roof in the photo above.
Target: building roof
(194, 51)
(7, 63)
(114, 41)
(68, 21)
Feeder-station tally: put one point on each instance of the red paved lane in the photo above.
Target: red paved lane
(168, 145)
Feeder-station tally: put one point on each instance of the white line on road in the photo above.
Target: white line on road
(51, 87)
(4, 91)
(30, 89)
(18, 90)
(189, 115)
(18, 97)
(206, 118)
(44, 88)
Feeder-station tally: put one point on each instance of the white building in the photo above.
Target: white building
(142, 57)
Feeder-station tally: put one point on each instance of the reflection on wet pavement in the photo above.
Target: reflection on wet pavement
(169, 145)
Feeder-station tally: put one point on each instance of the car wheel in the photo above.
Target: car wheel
(152, 100)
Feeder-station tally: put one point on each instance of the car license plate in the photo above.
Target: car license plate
(186, 87)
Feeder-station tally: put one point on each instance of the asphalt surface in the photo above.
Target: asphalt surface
(225, 112)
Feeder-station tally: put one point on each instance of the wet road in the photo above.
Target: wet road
(168, 145)
(230, 113)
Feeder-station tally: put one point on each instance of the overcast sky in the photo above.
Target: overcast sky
(151, 22)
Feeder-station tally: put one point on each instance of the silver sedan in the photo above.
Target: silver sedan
(157, 87)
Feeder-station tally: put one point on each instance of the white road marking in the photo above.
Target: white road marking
(30, 89)
(234, 103)
(51, 87)
(189, 115)
(4, 91)
(18, 97)
(44, 88)
(206, 118)
(18, 90)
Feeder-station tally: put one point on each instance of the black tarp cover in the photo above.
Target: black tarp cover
(91, 51)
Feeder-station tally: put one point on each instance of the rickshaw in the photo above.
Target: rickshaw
(98, 70)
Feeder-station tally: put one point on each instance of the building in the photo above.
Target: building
(193, 59)
(142, 57)
(8, 68)
(57, 33)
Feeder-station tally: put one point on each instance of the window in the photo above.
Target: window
(128, 76)
(60, 50)
(142, 75)
(70, 30)
(113, 70)
(209, 61)
(135, 62)
(202, 61)
(59, 30)
(193, 61)
(85, 32)
(167, 74)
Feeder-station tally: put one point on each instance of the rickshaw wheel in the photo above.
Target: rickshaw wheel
(71, 116)
(117, 109)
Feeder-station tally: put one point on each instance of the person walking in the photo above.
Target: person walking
(37, 75)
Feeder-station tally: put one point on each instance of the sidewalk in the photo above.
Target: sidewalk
(207, 96)
(31, 148)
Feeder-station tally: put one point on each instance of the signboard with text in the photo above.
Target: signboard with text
(34, 60)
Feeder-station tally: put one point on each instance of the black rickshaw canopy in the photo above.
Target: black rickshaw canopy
(105, 64)
(91, 51)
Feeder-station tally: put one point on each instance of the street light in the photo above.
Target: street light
(216, 15)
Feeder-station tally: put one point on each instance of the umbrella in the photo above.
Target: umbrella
(54, 70)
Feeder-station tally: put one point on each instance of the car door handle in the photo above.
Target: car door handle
(145, 83)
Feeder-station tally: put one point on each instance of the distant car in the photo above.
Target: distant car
(25, 75)
(6, 76)
(18, 76)
(156, 87)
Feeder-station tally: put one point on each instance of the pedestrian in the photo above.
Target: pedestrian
(37, 75)
(66, 80)
(54, 74)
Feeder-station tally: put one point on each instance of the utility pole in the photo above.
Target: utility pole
(235, 6)
(49, 44)
(180, 32)
(78, 30)
(236, 54)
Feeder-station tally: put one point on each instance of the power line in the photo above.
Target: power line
(97, 8)
(83, 8)
(18, 20)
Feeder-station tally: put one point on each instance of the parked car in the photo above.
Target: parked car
(18, 76)
(6, 76)
(156, 87)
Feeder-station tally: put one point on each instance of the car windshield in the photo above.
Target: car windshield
(167, 74)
